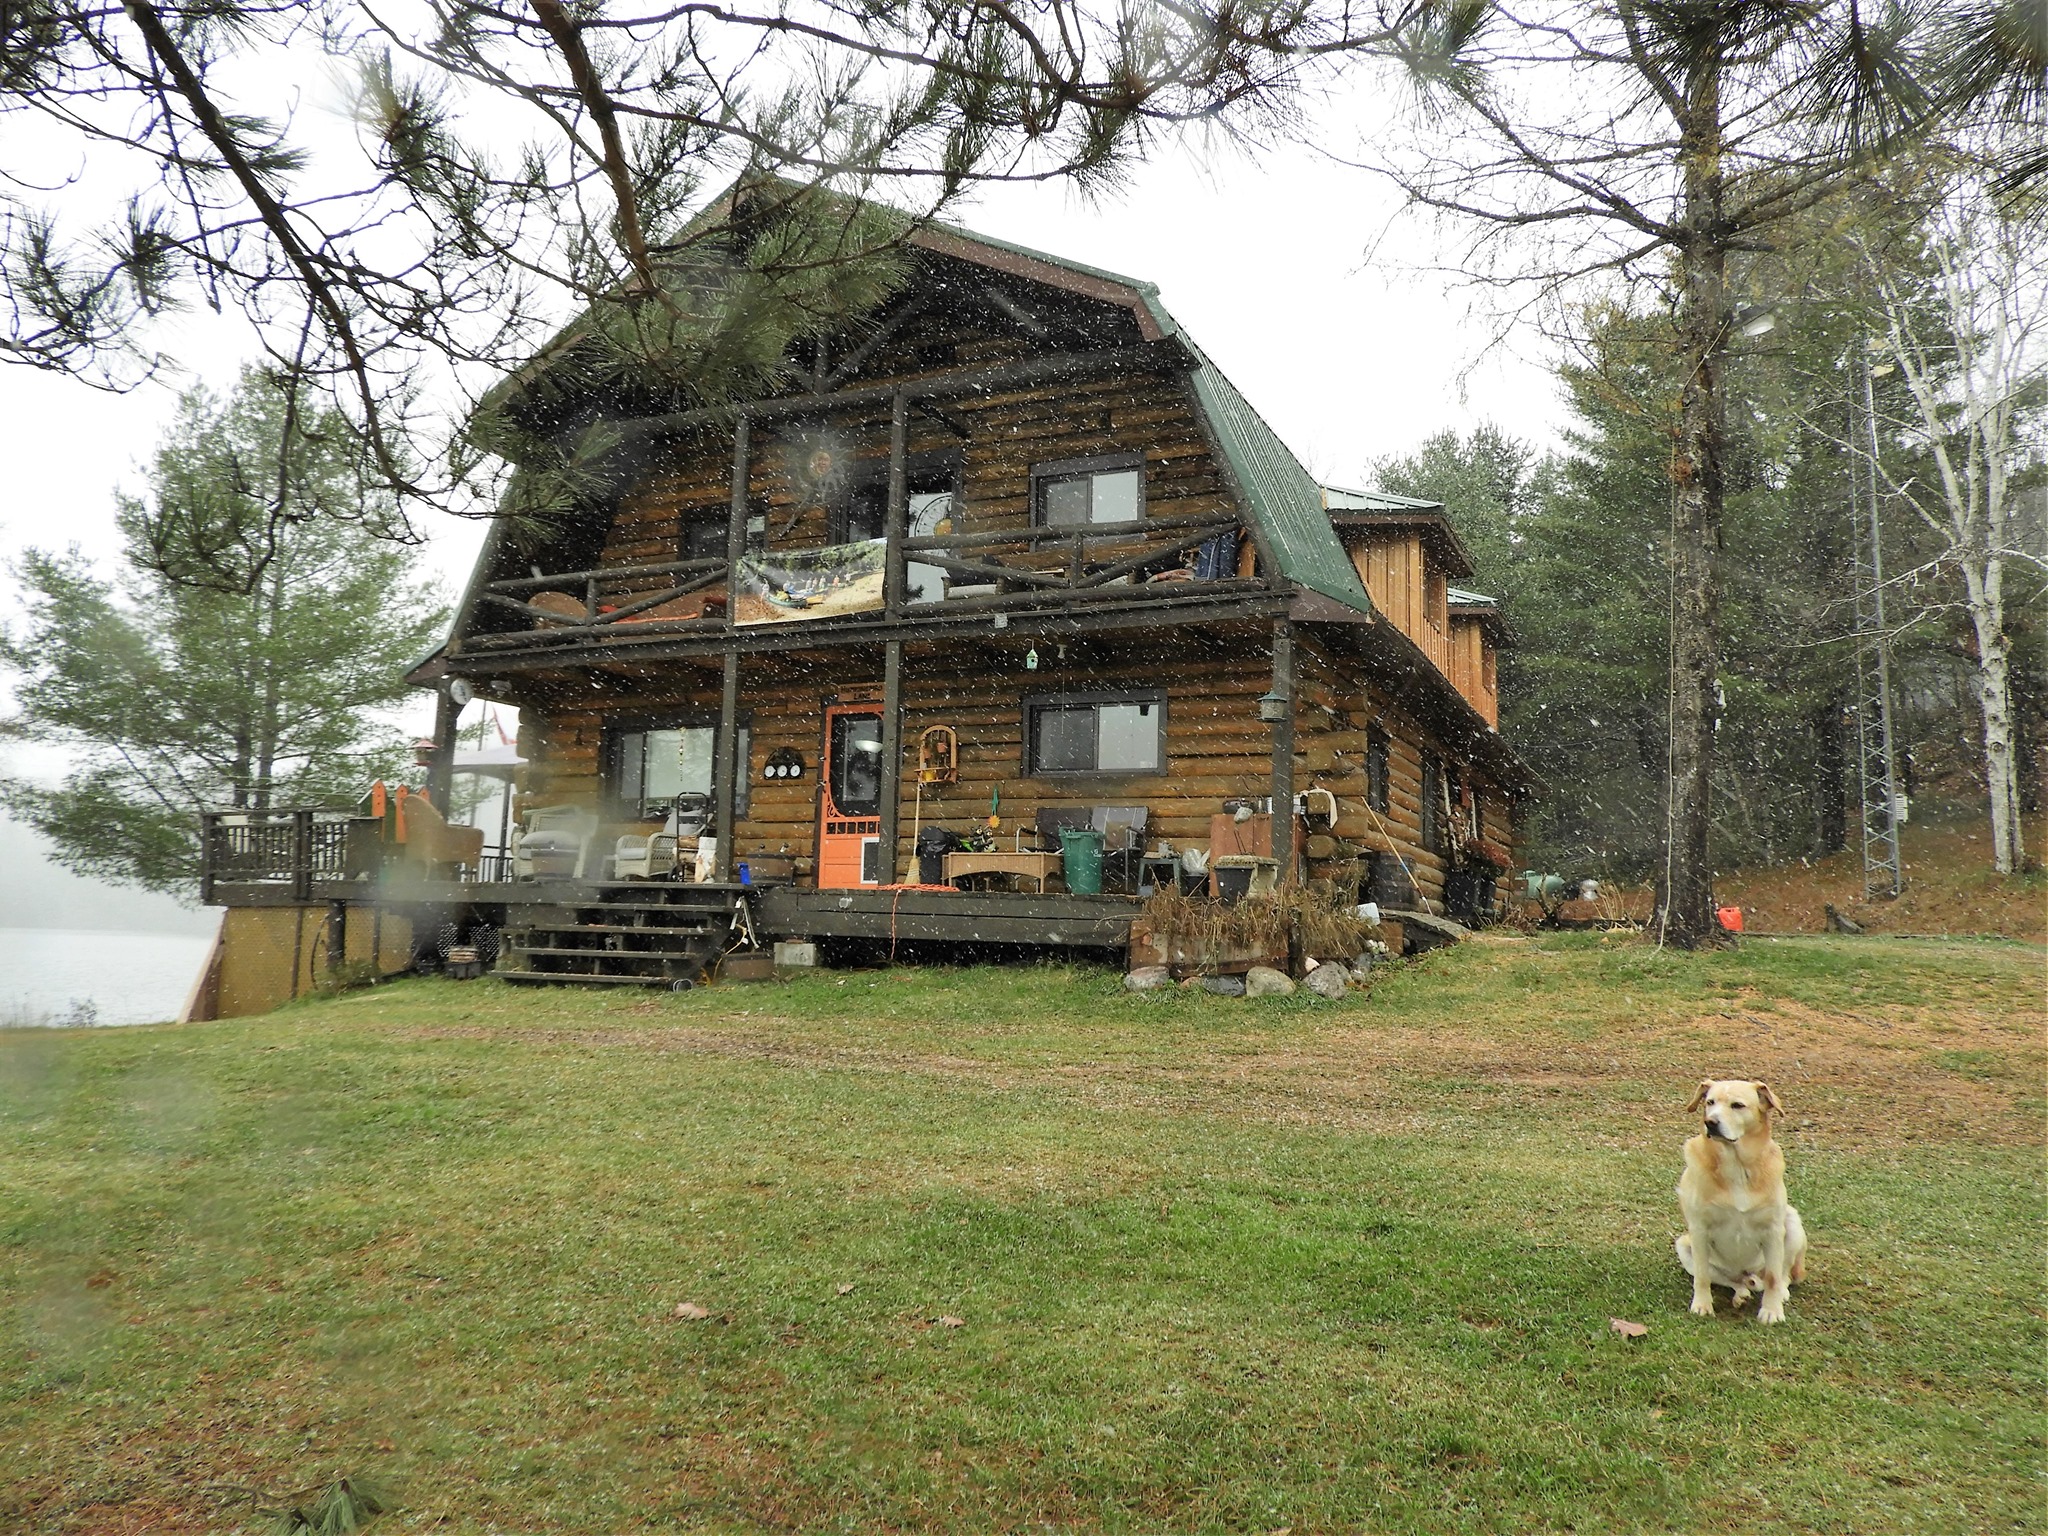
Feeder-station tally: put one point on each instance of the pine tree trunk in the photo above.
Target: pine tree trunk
(1992, 683)
(1686, 897)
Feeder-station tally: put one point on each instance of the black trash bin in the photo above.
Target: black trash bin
(933, 844)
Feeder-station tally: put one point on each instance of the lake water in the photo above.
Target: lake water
(87, 976)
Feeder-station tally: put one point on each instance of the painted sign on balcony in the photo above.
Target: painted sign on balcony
(778, 586)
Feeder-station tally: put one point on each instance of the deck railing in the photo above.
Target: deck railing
(1031, 567)
(286, 848)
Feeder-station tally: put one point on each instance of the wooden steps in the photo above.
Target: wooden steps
(643, 934)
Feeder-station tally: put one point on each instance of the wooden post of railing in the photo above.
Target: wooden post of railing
(892, 757)
(302, 855)
(896, 514)
(726, 771)
(1283, 748)
(736, 518)
(727, 767)
(209, 855)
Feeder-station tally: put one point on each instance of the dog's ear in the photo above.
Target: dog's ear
(1701, 1097)
(1768, 1099)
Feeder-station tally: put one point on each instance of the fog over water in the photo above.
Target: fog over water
(96, 975)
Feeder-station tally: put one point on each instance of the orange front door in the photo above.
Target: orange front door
(850, 798)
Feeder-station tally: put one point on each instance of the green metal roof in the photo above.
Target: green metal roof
(1284, 496)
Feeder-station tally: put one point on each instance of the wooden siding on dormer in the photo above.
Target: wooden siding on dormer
(1404, 584)
(1472, 668)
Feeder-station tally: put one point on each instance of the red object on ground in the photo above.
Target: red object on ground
(1731, 918)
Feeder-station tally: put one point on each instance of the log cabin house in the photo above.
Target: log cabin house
(1012, 548)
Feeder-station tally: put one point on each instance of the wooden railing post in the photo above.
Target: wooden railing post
(209, 855)
(302, 855)
(727, 768)
(736, 518)
(896, 514)
(892, 757)
(726, 771)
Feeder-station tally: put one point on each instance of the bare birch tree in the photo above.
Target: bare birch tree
(1967, 328)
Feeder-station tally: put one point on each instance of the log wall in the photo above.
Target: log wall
(1216, 746)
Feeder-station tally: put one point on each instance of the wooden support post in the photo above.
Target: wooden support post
(892, 755)
(1283, 750)
(726, 772)
(736, 522)
(337, 936)
(896, 514)
(441, 766)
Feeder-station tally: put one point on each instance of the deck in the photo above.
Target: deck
(329, 859)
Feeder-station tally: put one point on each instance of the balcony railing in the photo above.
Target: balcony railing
(297, 851)
(999, 569)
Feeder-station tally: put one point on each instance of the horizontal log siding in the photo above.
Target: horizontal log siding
(1217, 747)
(1146, 414)
(1330, 732)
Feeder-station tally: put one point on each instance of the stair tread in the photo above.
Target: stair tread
(607, 954)
(571, 978)
(669, 928)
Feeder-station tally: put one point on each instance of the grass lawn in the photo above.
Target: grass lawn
(1217, 1264)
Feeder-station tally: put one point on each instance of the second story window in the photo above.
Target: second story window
(1074, 493)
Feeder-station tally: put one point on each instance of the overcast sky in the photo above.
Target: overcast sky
(1303, 280)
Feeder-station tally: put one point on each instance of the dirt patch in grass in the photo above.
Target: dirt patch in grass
(1875, 1079)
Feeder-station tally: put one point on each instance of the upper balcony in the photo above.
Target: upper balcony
(900, 578)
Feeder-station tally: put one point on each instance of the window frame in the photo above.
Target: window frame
(1435, 784)
(615, 731)
(922, 475)
(1033, 703)
(1055, 471)
(1379, 769)
(719, 520)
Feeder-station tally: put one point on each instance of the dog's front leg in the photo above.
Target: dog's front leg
(1777, 1284)
(1702, 1269)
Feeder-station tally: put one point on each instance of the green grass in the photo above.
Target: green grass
(1222, 1265)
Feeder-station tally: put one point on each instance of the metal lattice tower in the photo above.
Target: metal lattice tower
(1876, 760)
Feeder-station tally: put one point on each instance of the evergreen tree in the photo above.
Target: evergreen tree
(256, 691)
(1484, 479)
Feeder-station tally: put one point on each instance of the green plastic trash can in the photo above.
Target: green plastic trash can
(1081, 855)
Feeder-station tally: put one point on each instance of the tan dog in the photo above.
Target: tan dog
(1740, 1231)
